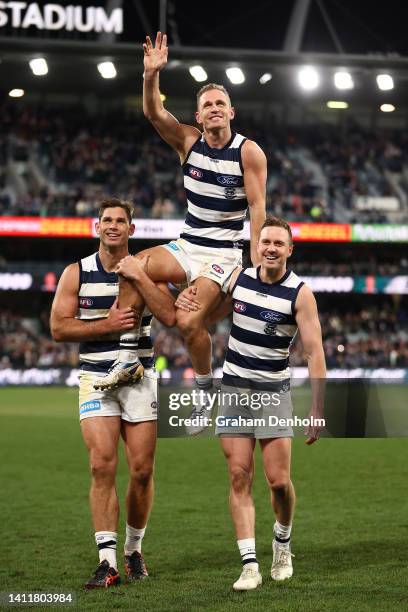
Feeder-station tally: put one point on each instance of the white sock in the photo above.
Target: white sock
(248, 552)
(106, 542)
(282, 534)
(134, 539)
(204, 381)
(128, 346)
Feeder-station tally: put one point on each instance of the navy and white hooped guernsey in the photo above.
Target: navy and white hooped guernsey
(98, 290)
(263, 328)
(216, 198)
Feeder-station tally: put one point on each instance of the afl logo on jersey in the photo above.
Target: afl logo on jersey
(85, 302)
(239, 307)
(195, 173)
(217, 268)
(228, 180)
(269, 315)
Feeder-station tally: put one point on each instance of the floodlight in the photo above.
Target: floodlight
(235, 75)
(107, 70)
(198, 73)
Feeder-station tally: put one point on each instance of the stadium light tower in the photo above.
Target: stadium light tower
(235, 75)
(385, 82)
(343, 80)
(39, 66)
(107, 70)
(308, 78)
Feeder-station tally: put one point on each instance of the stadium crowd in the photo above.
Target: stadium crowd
(373, 337)
(67, 161)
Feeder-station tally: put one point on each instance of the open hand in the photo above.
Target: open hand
(155, 57)
(186, 301)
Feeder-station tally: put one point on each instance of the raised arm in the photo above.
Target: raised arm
(66, 328)
(307, 319)
(254, 164)
(179, 136)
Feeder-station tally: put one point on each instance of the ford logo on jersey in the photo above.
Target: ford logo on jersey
(228, 180)
(239, 307)
(269, 315)
(85, 302)
(195, 173)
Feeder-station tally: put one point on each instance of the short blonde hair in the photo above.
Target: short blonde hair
(210, 87)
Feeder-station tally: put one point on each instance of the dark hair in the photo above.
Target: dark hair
(277, 222)
(210, 87)
(116, 203)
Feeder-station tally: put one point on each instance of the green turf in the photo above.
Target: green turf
(349, 538)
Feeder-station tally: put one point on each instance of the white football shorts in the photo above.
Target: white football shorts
(133, 403)
(198, 261)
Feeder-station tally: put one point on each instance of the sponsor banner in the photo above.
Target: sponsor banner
(299, 376)
(376, 203)
(379, 233)
(397, 285)
(321, 232)
(169, 229)
(44, 227)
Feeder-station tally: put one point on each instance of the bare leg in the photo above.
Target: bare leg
(239, 455)
(276, 455)
(140, 442)
(101, 436)
(193, 325)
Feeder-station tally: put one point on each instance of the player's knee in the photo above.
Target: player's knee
(188, 322)
(141, 475)
(279, 483)
(103, 467)
(241, 479)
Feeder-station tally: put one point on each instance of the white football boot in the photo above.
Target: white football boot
(249, 579)
(119, 374)
(282, 562)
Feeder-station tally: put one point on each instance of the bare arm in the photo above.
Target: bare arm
(307, 319)
(179, 136)
(66, 328)
(254, 163)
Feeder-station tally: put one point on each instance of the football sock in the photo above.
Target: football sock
(106, 542)
(247, 551)
(204, 381)
(134, 539)
(128, 346)
(282, 534)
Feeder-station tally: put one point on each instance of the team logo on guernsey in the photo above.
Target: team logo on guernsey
(229, 193)
(269, 315)
(228, 180)
(217, 268)
(195, 173)
(85, 302)
(270, 329)
(239, 307)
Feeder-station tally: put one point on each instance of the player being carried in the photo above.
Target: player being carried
(224, 174)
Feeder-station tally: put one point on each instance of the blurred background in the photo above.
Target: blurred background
(321, 86)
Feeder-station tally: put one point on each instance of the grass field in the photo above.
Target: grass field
(350, 535)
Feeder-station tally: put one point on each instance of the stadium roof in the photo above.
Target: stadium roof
(363, 38)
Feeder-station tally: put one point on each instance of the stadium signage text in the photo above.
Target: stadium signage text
(57, 17)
